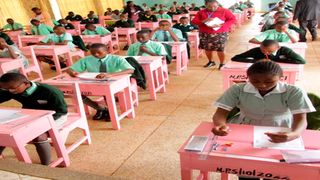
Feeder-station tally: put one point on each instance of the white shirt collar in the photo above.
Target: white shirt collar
(280, 88)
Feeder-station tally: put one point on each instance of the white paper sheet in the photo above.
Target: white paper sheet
(9, 115)
(196, 143)
(215, 21)
(91, 76)
(260, 140)
(306, 156)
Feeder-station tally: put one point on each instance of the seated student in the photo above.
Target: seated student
(145, 7)
(115, 15)
(184, 26)
(106, 64)
(173, 11)
(34, 95)
(291, 26)
(162, 7)
(148, 17)
(155, 8)
(108, 12)
(166, 33)
(281, 33)
(270, 49)
(39, 28)
(90, 19)
(234, 8)
(65, 24)
(6, 38)
(242, 6)
(264, 101)
(72, 17)
(124, 22)
(92, 29)
(11, 51)
(146, 47)
(271, 20)
(194, 7)
(93, 15)
(12, 26)
(162, 15)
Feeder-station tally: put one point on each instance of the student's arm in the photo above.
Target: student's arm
(254, 41)
(67, 39)
(50, 29)
(292, 38)
(198, 19)
(146, 50)
(56, 100)
(78, 67)
(122, 64)
(291, 56)
(47, 40)
(5, 95)
(261, 37)
(219, 121)
(11, 51)
(20, 27)
(104, 31)
(248, 56)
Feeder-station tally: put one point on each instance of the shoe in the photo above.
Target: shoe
(126, 47)
(209, 64)
(62, 65)
(100, 114)
(314, 38)
(220, 66)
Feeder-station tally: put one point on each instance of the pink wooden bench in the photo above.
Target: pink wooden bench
(193, 38)
(99, 39)
(30, 39)
(146, 25)
(242, 159)
(234, 72)
(18, 133)
(33, 62)
(179, 49)
(129, 33)
(9, 64)
(178, 16)
(76, 25)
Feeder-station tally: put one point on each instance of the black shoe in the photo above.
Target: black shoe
(62, 65)
(220, 66)
(126, 47)
(210, 64)
(314, 38)
(100, 114)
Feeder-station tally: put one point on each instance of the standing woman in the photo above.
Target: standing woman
(213, 37)
(133, 11)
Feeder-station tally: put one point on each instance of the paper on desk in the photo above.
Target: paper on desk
(91, 76)
(306, 156)
(9, 115)
(215, 21)
(260, 140)
(196, 143)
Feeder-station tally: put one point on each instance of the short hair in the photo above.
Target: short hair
(265, 67)
(282, 23)
(9, 19)
(210, 1)
(57, 26)
(34, 20)
(98, 45)
(164, 21)
(128, 2)
(183, 18)
(35, 8)
(88, 25)
(13, 77)
(279, 12)
(70, 12)
(143, 31)
(268, 43)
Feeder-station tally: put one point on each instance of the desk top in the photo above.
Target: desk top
(65, 78)
(242, 65)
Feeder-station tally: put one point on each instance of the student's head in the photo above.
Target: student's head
(174, 2)
(70, 13)
(35, 22)
(269, 46)
(130, 3)
(109, 9)
(264, 75)
(148, 13)
(90, 16)
(15, 83)
(36, 10)
(155, 5)
(211, 5)
(10, 21)
(278, 15)
(143, 36)
(2, 43)
(281, 26)
(144, 5)
(193, 5)
(184, 20)
(240, 2)
(161, 5)
(90, 26)
(63, 21)
(59, 30)
(91, 12)
(123, 17)
(184, 3)
(98, 50)
(164, 24)
(116, 12)
(161, 12)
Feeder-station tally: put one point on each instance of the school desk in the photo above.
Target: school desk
(193, 38)
(105, 39)
(76, 25)
(146, 25)
(120, 86)
(177, 17)
(73, 32)
(192, 14)
(14, 36)
(31, 39)
(9, 64)
(179, 49)
(102, 20)
(18, 133)
(129, 33)
(234, 72)
(242, 159)
(54, 51)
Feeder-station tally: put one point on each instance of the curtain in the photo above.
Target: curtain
(13, 9)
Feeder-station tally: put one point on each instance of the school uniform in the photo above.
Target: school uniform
(282, 55)
(145, 18)
(59, 39)
(67, 26)
(185, 28)
(6, 38)
(42, 29)
(273, 109)
(154, 47)
(115, 17)
(163, 16)
(161, 35)
(6, 54)
(124, 24)
(12, 27)
(242, 6)
(194, 9)
(74, 18)
(275, 35)
(98, 31)
(291, 27)
(90, 20)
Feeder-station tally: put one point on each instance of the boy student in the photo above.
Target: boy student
(148, 16)
(163, 15)
(115, 15)
(39, 28)
(90, 19)
(281, 33)
(146, 47)
(124, 22)
(34, 95)
(107, 65)
(91, 29)
(194, 7)
(184, 26)
(12, 26)
(64, 23)
(108, 12)
(290, 26)
(270, 50)
(166, 33)
(11, 51)
(72, 17)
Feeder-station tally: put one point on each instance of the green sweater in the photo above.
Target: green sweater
(283, 55)
(45, 97)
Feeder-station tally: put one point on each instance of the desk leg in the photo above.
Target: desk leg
(110, 47)
(150, 82)
(22, 153)
(161, 79)
(186, 174)
(57, 64)
(224, 176)
(129, 102)
(178, 61)
(69, 59)
(204, 175)
(185, 60)
(128, 39)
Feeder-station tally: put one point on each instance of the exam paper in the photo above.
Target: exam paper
(260, 140)
(196, 143)
(91, 76)
(306, 156)
(9, 115)
(215, 21)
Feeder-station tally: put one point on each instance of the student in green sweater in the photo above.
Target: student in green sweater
(34, 95)
(270, 49)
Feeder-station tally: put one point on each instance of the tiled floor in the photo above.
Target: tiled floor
(4, 175)
(146, 147)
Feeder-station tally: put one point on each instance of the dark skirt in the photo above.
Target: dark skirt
(213, 42)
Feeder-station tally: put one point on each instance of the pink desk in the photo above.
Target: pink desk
(54, 51)
(179, 49)
(76, 25)
(31, 39)
(9, 64)
(178, 16)
(103, 18)
(146, 25)
(242, 159)
(106, 39)
(120, 86)
(192, 14)
(237, 72)
(16, 134)
(129, 33)
(193, 38)
(14, 35)
(73, 32)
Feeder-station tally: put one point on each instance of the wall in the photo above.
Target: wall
(265, 4)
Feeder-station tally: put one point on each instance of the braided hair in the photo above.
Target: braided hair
(265, 67)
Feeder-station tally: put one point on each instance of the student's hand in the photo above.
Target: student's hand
(73, 73)
(281, 137)
(143, 49)
(103, 76)
(4, 44)
(220, 130)
(50, 42)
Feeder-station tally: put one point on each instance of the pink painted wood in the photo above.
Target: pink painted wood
(102, 20)
(73, 32)
(30, 39)
(179, 49)
(106, 39)
(82, 26)
(14, 35)
(33, 62)
(76, 115)
(129, 33)
(238, 18)
(109, 90)
(178, 16)
(193, 38)
(146, 25)
(115, 41)
(242, 159)
(18, 133)
(234, 72)
(192, 14)
(9, 64)
(76, 25)
(152, 65)
(54, 51)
